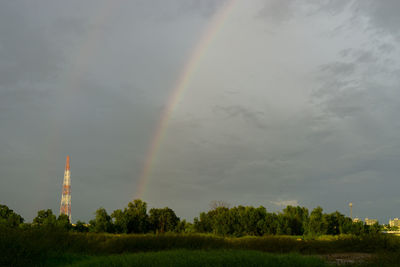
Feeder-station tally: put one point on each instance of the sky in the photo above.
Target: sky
(289, 102)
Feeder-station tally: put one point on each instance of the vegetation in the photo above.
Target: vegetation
(220, 220)
(9, 218)
(134, 229)
(22, 247)
(198, 258)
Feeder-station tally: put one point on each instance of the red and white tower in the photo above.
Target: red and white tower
(65, 206)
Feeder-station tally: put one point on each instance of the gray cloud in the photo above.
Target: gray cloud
(381, 16)
(278, 11)
(26, 51)
(306, 115)
(281, 11)
(255, 118)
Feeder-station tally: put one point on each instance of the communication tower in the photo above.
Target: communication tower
(351, 210)
(65, 206)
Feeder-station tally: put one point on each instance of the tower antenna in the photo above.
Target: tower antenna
(65, 206)
(351, 210)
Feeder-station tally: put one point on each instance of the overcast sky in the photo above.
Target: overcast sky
(293, 102)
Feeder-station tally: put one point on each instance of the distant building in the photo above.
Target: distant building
(394, 222)
(356, 220)
(370, 221)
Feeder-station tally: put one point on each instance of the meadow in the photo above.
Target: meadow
(44, 247)
(194, 258)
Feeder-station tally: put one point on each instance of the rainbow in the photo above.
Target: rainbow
(177, 93)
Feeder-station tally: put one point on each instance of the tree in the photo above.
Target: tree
(220, 221)
(136, 217)
(120, 222)
(9, 218)
(316, 226)
(184, 227)
(375, 228)
(219, 204)
(247, 220)
(81, 227)
(283, 225)
(345, 225)
(45, 218)
(102, 222)
(133, 219)
(334, 223)
(63, 222)
(358, 228)
(270, 224)
(163, 220)
(296, 218)
(203, 224)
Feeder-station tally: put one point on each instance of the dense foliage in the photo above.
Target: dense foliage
(240, 221)
(9, 218)
(220, 220)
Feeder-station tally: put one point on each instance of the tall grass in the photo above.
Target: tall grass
(26, 247)
(202, 258)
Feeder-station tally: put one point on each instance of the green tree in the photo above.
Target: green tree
(358, 228)
(102, 222)
(163, 220)
(296, 219)
(120, 221)
(316, 226)
(345, 225)
(247, 220)
(81, 227)
(184, 227)
(9, 218)
(270, 224)
(375, 228)
(45, 218)
(203, 223)
(136, 218)
(220, 221)
(334, 223)
(63, 222)
(283, 225)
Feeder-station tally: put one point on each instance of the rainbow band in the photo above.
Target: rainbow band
(177, 93)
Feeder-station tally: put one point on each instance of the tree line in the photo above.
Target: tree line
(219, 220)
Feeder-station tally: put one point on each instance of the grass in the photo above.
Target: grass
(199, 258)
(33, 246)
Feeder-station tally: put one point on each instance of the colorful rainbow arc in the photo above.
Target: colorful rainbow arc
(177, 93)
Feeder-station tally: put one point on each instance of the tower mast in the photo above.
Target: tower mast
(351, 210)
(65, 206)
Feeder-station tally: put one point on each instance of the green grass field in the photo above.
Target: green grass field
(40, 247)
(199, 258)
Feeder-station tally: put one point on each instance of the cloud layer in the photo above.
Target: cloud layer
(293, 102)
